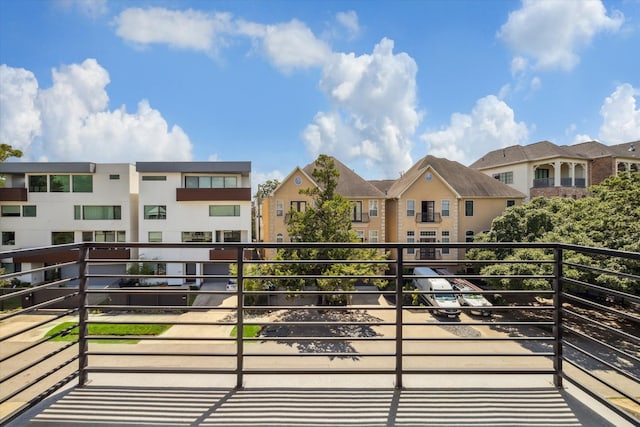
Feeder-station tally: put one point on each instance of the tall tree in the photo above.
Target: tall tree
(327, 219)
(7, 151)
(609, 218)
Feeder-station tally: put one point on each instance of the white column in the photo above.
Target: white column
(557, 173)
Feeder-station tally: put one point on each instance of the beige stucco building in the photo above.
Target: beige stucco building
(367, 202)
(437, 200)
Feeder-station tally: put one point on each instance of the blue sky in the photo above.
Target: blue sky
(378, 84)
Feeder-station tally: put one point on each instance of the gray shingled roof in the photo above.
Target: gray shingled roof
(517, 153)
(465, 181)
(382, 184)
(350, 184)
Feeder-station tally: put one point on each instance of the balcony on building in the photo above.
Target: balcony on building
(210, 194)
(13, 195)
(428, 217)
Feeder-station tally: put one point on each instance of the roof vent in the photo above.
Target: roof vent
(632, 147)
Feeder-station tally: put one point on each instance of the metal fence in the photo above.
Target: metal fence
(258, 319)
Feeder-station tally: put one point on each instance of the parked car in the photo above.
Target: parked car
(444, 298)
(476, 301)
(232, 285)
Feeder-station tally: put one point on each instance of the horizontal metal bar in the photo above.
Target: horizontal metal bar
(159, 370)
(602, 325)
(602, 289)
(35, 362)
(602, 307)
(599, 342)
(602, 361)
(591, 374)
(155, 354)
(37, 325)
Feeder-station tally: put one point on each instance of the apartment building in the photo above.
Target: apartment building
(45, 204)
(193, 202)
(546, 169)
(440, 200)
(367, 203)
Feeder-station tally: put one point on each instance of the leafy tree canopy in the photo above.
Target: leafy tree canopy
(609, 218)
(265, 189)
(327, 219)
(7, 151)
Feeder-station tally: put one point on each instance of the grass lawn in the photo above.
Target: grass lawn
(250, 331)
(115, 329)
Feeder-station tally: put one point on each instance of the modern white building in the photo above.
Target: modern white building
(56, 203)
(195, 202)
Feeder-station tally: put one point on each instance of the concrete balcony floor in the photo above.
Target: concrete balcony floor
(329, 400)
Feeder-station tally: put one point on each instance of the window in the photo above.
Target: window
(159, 269)
(110, 236)
(82, 183)
(38, 183)
(197, 236)
(228, 235)
(224, 210)
(87, 236)
(411, 238)
(61, 237)
(155, 212)
(298, 205)
(411, 207)
(114, 176)
(445, 208)
(155, 236)
(154, 178)
(468, 208)
(279, 208)
(59, 183)
(29, 210)
(77, 212)
(279, 238)
(428, 213)
(10, 210)
(210, 181)
(8, 238)
(356, 211)
(373, 236)
(445, 239)
(504, 177)
(101, 212)
(468, 236)
(360, 234)
(511, 203)
(373, 208)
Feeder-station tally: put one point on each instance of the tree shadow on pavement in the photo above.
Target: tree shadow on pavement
(338, 331)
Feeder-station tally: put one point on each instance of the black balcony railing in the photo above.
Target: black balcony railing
(543, 182)
(428, 217)
(580, 331)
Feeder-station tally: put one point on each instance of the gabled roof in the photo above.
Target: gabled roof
(382, 184)
(595, 149)
(466, 182)
(517, 154)
(350, 184)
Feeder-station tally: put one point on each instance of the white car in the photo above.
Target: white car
(475, 301)
(232, 285)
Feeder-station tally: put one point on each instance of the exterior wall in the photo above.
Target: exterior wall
(186, 216)
(288, 191)
(522, 175)
(423, 189)
(55, 210)
(573, 192)
(601, 169)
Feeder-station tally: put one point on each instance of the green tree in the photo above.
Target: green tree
(609, 218)
(327, 219)
(265, 189)
(7, 151)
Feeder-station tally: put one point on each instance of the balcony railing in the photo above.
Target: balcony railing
(424, 217)
(577, 331)
(361, 218)
(543, 182)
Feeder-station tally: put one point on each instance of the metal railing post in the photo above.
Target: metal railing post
(240, 318)
(82, 316)
(557, 317)
(399, 320)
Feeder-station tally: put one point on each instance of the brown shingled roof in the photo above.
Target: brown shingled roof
(350, 184)
(518, 153)
(465, 181)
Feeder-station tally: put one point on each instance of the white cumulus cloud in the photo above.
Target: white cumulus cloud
(491, 124)
(70, 121)
(552, 32)
(189, 29)
(375, 110)
(19, 117)
(621, 116)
